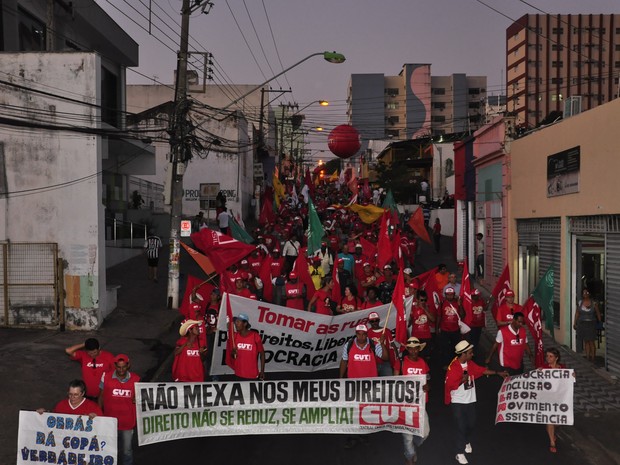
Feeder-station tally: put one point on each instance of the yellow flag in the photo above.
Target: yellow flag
(367, 213)
(278, 189)
(333, 177)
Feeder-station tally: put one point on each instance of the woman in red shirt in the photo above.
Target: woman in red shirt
(349, 302)
(321, 300)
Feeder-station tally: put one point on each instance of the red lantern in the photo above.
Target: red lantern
(344, 141)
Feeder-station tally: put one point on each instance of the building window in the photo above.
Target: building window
(557, 47)
(618, 30)
(557, 64)
(391, 105)
(31, 32)
(558, 30)
(438, 119)
(392, 120)
(616, 64)
(556, 98)
(557, 80)
(474, 105)
(534, 63)
(438, 105)
(438, 91)
(392, 133)
(391, 91)
(474, 90)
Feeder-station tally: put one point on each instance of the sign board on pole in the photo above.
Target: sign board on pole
(258, 170)
(186, 228)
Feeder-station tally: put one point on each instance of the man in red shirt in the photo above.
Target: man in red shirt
(460, 391)
(189, 353)
(375, 332)
(94, 363)
(422, 319)
(117, 399)
(359, 360)
(506, 310)
(294, 292)
(449, 334)
(512, 343)
(77, 403)
(478, 318)
(248, 348)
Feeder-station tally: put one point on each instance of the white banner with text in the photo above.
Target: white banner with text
(68, 439)
(169, 411)
(540, 396)
(295, 340)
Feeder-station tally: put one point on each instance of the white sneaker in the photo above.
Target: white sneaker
(468, 449)
(460, 458)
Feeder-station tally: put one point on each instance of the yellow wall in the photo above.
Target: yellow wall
(596, 132)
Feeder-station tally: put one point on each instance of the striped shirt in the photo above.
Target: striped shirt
(152, 246)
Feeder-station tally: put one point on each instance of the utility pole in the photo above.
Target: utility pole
(178, 156)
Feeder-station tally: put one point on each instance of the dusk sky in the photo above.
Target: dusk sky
(454, 36)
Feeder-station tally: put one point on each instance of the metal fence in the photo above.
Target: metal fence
(121, 233)
(30, 284)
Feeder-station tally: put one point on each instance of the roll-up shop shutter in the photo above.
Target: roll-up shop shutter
(612, 297)
(498, 244)
(549, 250)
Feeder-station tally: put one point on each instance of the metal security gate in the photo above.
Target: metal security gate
(498, 246)
(612, 298)
(29, 285)
(549, 249)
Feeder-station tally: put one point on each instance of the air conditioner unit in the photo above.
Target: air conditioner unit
(572, 106)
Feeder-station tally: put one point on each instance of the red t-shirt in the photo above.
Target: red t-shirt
(420, 324)
(276, 266)
(243, 292)
(368, 304)
(187, 365)
(85, 408)
(505, 313)
(349, 304)
(322, 302)
(93, 369)
(375, 335)
(449, 316)
(511, 347)
(119, 400)
(294, 295)
(415, 367)
(477, 310)
(248, 348)
(362, 362)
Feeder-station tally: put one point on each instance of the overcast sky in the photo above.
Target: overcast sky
(455, 36)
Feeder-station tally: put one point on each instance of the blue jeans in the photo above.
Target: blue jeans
(410, 444)
(125, 450)
(465, 418)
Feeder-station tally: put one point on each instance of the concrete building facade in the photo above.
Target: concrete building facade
(558, 60)
(564, 214)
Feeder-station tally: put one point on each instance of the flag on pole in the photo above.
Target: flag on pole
(389, 201)
(333, 177)
(238, 232)
(278, 190)
(222, 250)
(417, 224)
(433, 292)
(465, 295)
(368, 248)
(540, 304)
(315, 229)
(230, 341)
(301, 268)
(203, 261)
(398, 300)
(384, 246)
(265, 276)
(499, 291)
(367, 213)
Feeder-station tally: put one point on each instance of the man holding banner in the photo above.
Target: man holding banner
(247, 349)
(512, 343)
(359, 356)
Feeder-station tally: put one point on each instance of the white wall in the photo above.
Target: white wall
(62, 167)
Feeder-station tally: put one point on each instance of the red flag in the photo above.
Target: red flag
(499, 291)
(398, 300)
(221, 249)
(384, 246)
(433, 292)
(266, 213)
(201, 259)
(422, 278)
(230, 341)
(465, 295)
(368, 248)
(265, 276)
(417, 224)
(191, 283)
(366, 189)
(532, 313)
(397, 253)
(336, 291)
(301, 268)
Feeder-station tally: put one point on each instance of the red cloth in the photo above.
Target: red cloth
(118, 400)
(322, 306)
(294, 295)
(499, 291)
(230, 328)
(303, 274)
(384, 245)
(417, 224)
(465, 295)
(532, 313)
(511, 347)
(104, 362)
(399, 304)
(202, 260)
(420, 324)
(85, 408)
(478, 319)
(449, 318)
(221, 249)
(265, 275)
(505, 313)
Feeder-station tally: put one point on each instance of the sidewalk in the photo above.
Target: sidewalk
(35, 370)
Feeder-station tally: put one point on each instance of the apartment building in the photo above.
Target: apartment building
(561, 62)
(414, 103)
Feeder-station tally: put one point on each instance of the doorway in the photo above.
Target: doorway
(590, 274)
